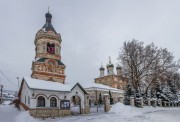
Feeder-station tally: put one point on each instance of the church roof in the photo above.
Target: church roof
(46, 85)
(38, 84)
(43, 59)
(48, 26)
(101, 87)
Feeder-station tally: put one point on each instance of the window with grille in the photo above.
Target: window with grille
(65, 104)
(41, 101)
(53, 102)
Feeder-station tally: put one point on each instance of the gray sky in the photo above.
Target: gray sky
(91, 30)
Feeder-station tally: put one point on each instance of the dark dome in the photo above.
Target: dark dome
(101, 68)
(110, 65)
(48, 15)
(118, 67)
(48, 26)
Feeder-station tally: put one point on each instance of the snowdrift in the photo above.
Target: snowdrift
(121, 109)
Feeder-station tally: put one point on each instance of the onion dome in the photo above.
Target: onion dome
(101, 68)
(118, 67)
(109, 64)
(48, 26)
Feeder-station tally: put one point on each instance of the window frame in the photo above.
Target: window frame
(38, 104)
(55, 100)
(65, 104)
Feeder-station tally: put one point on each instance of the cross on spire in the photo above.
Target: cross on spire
(109, 59)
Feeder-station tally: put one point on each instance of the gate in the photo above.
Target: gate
(75, 105)
(96, 108)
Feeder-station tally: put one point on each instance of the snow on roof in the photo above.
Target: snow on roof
(56, 86)
(97, 86)
(46, 85)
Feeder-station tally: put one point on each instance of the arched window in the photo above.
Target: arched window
(41, 101)
(53, 102)
(50, 48)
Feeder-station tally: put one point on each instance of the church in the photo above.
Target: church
(112, 79)
(46, 93)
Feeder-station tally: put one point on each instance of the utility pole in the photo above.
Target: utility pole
(18, 81)
(1, 86)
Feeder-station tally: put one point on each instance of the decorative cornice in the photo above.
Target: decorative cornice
(47, 35)
(48, 74)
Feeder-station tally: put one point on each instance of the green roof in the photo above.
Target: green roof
(43, 59)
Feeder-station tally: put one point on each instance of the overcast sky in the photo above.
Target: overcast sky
(91, 30)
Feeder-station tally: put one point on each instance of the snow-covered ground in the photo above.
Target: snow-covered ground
(118, 113)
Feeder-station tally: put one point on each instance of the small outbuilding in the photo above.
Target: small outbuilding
(45, 99)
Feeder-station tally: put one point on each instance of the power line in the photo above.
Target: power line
(7, 78)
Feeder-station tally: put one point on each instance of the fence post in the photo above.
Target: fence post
(165, 104)
(155, 103)
(106, 103)
(160, 102)
(149, 102)
(132, 101)
(142, 103)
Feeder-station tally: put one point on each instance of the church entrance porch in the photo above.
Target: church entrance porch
(75, 105)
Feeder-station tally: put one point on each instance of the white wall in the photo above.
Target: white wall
(48, 94)
(25, 93)
(80, 94)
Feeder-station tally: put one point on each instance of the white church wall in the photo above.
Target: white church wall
(33, 103)
(47, 95)
(34, 94)
(24, 93)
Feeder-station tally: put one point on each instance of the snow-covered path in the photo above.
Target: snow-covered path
(164, 116)
(8, 113)
(118, 113)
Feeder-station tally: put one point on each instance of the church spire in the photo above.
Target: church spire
(48, 26)
(109, 59)
(48, 17)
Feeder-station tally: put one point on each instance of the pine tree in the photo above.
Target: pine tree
(128, 93)
(172, 91)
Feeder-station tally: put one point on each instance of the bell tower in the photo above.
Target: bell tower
(48, 64)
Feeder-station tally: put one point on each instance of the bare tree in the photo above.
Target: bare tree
(144, 66)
